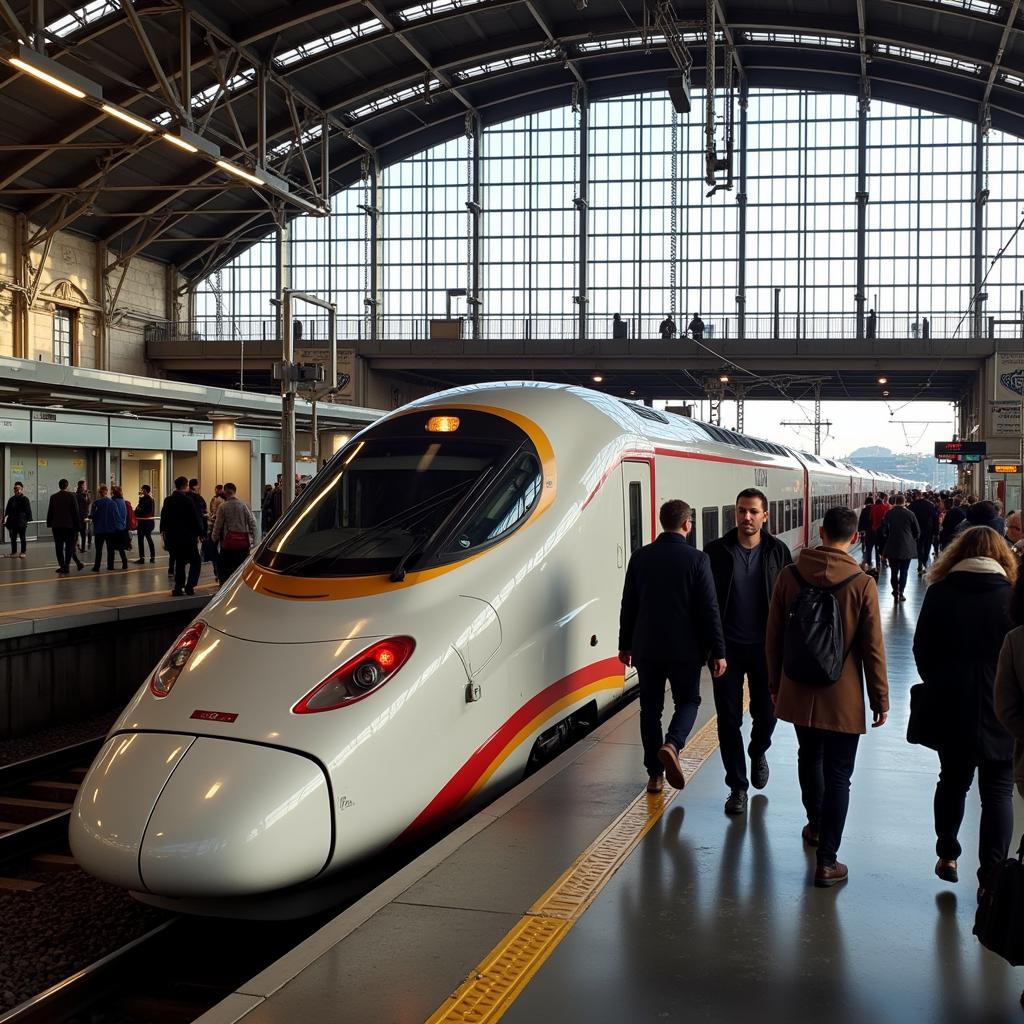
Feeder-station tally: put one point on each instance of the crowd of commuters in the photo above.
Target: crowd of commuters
(807, 638)
(191, 533)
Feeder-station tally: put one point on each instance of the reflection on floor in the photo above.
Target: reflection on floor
(715, 919)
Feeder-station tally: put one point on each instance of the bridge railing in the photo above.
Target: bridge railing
(308, 330)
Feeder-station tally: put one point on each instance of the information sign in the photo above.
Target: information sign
(1004, 467)
(960, 451)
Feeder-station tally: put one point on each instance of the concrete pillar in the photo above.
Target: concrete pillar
(19, 297)
(223, 428)
(102, 318)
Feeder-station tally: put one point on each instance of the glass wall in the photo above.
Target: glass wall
(657, 242)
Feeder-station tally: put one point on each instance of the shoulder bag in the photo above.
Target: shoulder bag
(999, 922)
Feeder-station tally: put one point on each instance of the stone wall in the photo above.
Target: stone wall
(70, 279)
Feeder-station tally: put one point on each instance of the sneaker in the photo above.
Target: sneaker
(809, 835)
(828, 875)
(190, 591)
(759, 772)
(22, 555)
(946, 870)
(669, 757)
(655, 783)
(737, 802)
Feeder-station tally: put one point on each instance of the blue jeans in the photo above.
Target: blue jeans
(825, 762)
(684, 679)
(900, 569)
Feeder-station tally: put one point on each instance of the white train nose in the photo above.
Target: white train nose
(236, 819)
(181, 816)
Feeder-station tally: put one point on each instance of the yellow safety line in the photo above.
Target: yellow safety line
(27, 613)
(495, 983)
(80, 575)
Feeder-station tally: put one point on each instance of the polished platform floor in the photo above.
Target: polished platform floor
(30, 590)
(709, 918)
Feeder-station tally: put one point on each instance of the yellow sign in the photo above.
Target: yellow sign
(1008, 467)
(44, 463)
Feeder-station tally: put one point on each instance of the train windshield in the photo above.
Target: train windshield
(402, 500)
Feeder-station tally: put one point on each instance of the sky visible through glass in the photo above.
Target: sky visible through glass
(801, 236)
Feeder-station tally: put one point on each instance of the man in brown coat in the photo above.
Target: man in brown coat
(829, 719)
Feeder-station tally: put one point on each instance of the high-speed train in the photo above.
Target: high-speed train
(440, 600)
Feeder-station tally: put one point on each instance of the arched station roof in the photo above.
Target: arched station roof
(389, 78)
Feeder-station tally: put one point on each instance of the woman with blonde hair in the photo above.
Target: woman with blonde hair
(963, 621)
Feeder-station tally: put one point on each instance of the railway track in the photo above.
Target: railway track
(36, 796)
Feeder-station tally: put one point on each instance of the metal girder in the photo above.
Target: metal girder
(1011, 18)
(730, 39)
(8, 15)
(546, 29)
(138, 29)
(862, 33)
(401, 37)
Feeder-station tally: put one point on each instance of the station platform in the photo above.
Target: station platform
(33, 599)
(577, 898)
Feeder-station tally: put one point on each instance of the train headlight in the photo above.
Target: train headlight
(360, 676)
(171, 667)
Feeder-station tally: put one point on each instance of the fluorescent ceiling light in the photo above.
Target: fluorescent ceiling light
(180, 143)
(44, 76)
(239, 172)
(123, 115)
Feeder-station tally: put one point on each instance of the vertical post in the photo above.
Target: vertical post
(38, 26)
(817, 419)
(282, 261)
(103, 319)
(741, 202)
(862, 209)
(185, 84)
(314, 437)
(583, 206)
(19, 297)
(261, 116)
(375, 249)
(775, 320)
(477, 215)
(978, 245)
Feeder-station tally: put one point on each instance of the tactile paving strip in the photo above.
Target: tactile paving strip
(506, 970)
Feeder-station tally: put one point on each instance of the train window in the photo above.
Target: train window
(636, 512)
(773, 517)
(709, 524)
(787, 514)
(728, 518)
(504, 505)
(800, 511)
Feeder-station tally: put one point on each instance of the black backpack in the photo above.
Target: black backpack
(814, 650)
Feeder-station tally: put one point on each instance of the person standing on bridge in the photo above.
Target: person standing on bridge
(668, 624)
(871, 327)
(668, 328)
(745, 564)
(696, 327)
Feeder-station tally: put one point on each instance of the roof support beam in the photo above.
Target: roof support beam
(381, 15)
(11, 19)
(1011, 19)
(139, 31)
(546, 29)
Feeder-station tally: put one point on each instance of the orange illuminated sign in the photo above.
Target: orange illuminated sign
(1004, 467)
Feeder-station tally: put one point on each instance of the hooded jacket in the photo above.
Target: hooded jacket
(839, 707)
(963, 622)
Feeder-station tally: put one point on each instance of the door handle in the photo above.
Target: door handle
(619, 554)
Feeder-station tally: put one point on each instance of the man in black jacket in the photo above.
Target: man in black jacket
(64, 518)
(745, 564)
(668, 625)
(181, 526)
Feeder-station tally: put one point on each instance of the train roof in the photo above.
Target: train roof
(676, 427)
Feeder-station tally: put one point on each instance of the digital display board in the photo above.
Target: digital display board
(1004, 467)
(960, 451)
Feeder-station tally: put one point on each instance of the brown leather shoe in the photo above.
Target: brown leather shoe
(669, 757)
(946, 870)
(655, 783)
(809, 836)
(827, 876)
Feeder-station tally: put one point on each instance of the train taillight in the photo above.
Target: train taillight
(171, 667)
(360, 676)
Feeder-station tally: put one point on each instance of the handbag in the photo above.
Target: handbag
(923, 725)
(234, 540)
(999, 922)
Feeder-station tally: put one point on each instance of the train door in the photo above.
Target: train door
(637, 504)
